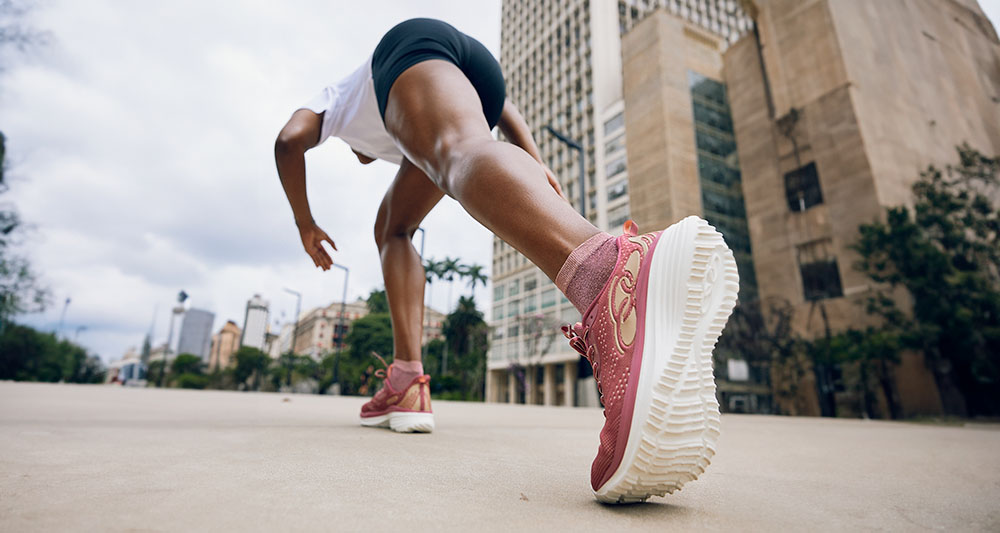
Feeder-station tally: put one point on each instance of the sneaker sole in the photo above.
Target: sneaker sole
(675, 421)
(402, 422)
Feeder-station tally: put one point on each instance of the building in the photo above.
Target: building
(224, 345)
(563, 65)
(321, 331)
(837, 106)
(196, 333)
(255, 323)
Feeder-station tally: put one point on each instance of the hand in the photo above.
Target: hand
(312, 240)
(554, 182)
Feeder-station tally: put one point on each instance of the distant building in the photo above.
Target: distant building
(224, 345)
(255, 323)
(283, 343)
(158, 353)
(196, 333)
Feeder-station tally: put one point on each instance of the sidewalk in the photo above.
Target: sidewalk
(112, 459)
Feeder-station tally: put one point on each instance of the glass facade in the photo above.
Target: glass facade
(719, 174)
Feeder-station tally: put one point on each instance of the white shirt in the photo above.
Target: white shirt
(350, 111)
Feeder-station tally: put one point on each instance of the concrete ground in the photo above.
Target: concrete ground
(104, 458)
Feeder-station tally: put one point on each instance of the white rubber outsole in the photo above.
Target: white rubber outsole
(693, 283)
(402, 422)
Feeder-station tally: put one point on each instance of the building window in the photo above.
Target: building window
(820, 274)
(497, 312)
(617, 216)
(529, 304)
(515, 287)
(548, 298)
(802, 188)
(616, 167)
(530, 283)
(514, 308)
(498, 292)
(514, 331)
(614, 145)
(617, 189)
(614, 124)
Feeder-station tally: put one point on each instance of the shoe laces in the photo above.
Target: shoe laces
(577, 335)
(381, 373)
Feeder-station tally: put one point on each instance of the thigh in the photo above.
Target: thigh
(432, 109)
(410, 197)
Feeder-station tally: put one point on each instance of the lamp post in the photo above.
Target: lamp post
(76, 337)
(181, 296)
(343, 328)
(62, 317)
(423, 320)
(295, 331)
(579, 148)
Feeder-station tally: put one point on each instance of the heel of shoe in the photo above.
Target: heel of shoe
(405, 422)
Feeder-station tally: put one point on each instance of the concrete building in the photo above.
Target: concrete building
(255, 323)
(224, 345)
(563, 65)
(837, 106)
(321, 330)
(196, 333)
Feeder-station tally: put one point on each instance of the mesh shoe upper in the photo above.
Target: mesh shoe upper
(416, 397)
(607, 337)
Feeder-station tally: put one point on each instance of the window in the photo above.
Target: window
(529, 304)
(617, 189)
(530, 283)
(514, 331)
(614, 124)
(614, 145)
(514, 308)
(802, 188)
(820, 274)
(616, 167)
(497, 312)
(498, 293)
(515, 287)
(548, 298)
(617, 216)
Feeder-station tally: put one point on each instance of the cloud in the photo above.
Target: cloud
(141, 142)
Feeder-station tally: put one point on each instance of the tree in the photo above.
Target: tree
(466, 337)
(370, 333)
(186, 363)
(30, 355)
(945, 254)
(449, 268)
(377, 301)
(250, 362)
(476, 275)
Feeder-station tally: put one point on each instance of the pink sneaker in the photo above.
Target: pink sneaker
(406, 411)
(649, 335)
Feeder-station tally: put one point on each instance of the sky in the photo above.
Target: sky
(140, 151)
(140, 147)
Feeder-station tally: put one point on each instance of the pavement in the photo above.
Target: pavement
(106, 458)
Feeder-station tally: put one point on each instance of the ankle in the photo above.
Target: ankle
(403, 372)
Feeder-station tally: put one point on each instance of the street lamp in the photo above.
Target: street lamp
(62, 317)
(423, 237)
(579, 148)
(295, 331)
(76, 337)
(343, 328)
(181, 296)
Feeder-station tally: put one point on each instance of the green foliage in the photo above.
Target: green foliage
(466, 340)
(377, 301)
(30, 355)
(192, 381)
(186, 363)
(945, 253)
(370, 333)
(250, 363)
(154, 372)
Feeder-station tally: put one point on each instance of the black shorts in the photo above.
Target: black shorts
(416, 40)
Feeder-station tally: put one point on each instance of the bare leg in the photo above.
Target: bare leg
(410, 197)
(436, 118)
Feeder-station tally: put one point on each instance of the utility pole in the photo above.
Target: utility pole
(295, 333)
(343, 327)
(583, 180)
(181, 296)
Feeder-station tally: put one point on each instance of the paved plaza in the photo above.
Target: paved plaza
(105, 458)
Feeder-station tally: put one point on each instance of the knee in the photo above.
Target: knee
(386, 231)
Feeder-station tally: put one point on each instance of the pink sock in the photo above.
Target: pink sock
(587, 269)
(403, 373)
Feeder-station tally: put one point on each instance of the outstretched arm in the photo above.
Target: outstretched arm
(300, 134)
(516, 129)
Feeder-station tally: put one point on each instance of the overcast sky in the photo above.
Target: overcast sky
(140, 140)
(140, 146)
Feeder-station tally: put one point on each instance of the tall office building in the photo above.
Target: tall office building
(837, 107)
(255, 323)
(196, 332)
(562, 61)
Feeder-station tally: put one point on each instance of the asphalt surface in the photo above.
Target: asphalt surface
(104, 458)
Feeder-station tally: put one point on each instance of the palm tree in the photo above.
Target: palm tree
(476, 276)
(449, 268)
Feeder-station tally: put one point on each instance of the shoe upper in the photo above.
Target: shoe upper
(606, 337)
(415, 397)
